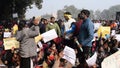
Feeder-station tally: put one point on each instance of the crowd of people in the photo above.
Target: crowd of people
(76, 34)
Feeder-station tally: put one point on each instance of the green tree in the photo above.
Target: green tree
(91, 14)
(46, 16)
(72, 9)
(60, 14)
(97, 15)
(113, 11)
(8, 7)
(110, 14)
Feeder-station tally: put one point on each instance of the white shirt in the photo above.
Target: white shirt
(68, 24)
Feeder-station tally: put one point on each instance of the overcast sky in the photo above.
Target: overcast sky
(51, 6)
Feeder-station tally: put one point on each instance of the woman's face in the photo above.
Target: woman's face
(53, 46)
(101, 49)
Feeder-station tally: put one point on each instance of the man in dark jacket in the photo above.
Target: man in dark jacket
(86, 33)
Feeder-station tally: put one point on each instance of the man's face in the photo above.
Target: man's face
(53, 20)
(45, 21)
(83, 15)
(36, 21)
(66, 18)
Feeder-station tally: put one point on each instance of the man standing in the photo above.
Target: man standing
(53, 25)
(28, 46)
(86, 34)
(68, 30)
(69, 20)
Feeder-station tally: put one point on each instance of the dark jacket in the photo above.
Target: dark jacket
(86, 33)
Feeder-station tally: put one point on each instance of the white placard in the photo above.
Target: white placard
(69, 55)
(117, 37)
(118, 48)
(7, 34)
(15, 15)
(92, 60)
(40, 44)
(112, 61)
(113, 32)
(49, 35)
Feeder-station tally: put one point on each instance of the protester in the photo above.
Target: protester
(69, 20)
(49, 60)
(76, 34)
(53, 25)
(57, 63)
(27, 43)
(69, 29)
(16, 58)
(7, 58)
(86, 34)
(40, 58)
(42, 25)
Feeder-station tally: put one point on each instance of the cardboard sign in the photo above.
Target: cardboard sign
(104, 30)
(10, 42)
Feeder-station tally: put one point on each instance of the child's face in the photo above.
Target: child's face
(101, 49)
(15, 55)
(106, 45)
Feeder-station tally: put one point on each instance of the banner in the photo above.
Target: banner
(10, 42)
(104, 30)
